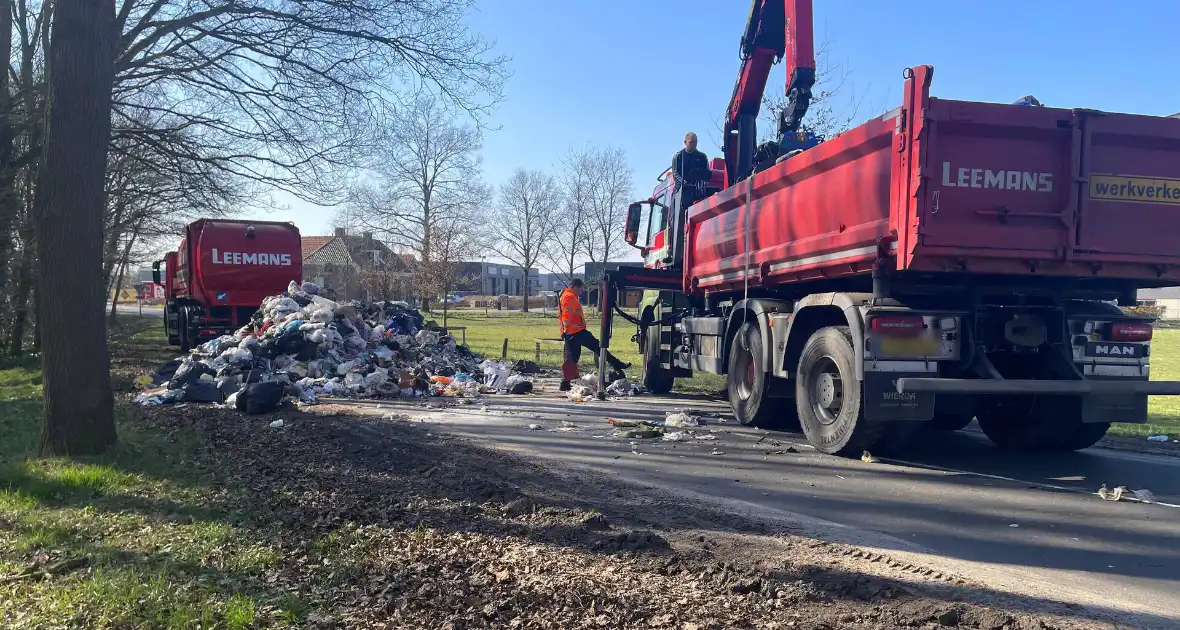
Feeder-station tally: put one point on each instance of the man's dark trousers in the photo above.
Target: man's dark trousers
(583, 339)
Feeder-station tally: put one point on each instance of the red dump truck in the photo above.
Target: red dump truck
(216, 280)
(944, 262)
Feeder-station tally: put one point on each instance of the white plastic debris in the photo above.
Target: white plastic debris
(623, 387)
(681, 419)
(535, 427)
(579, 392)
(277, 424)
(678, 436)
(1144, 495)
(1157, 438)
(1111, 495)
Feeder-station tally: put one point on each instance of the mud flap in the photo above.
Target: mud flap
(1131, 408)
(882, 401)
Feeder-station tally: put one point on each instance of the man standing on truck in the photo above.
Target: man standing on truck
(575, 335)
(690, 171)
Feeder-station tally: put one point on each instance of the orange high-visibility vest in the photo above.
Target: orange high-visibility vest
(569, 313)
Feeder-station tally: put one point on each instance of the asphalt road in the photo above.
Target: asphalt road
(146, 311)
(1027, 522)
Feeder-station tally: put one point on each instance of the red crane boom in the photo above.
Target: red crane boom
(775, 29)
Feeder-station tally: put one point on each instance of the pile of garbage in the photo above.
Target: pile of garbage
(302, 345)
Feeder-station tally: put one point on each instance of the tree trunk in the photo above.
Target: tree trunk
(9, 204)
(524, 292)
(79, 405)
(121, 269)
(20, 302)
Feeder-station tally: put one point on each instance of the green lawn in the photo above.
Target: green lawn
(164, 548)
(1164, 410)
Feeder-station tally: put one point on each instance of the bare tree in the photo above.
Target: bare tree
(455, 241)
(286, 93)
(610, 192)
(424, 176)
(565, 254)
(525, 220)
(826, 116)
(79, 405)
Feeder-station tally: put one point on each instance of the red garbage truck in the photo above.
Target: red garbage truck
(216, 280)
(946, 261)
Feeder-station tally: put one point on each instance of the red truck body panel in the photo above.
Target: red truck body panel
(219, 264)
(953, 186)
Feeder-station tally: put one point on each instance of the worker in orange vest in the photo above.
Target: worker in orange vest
(575, 335)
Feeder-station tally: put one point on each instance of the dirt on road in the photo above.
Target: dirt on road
(416, 530)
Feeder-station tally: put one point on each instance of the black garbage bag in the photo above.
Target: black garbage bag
(446, 371)
(522, 387)
(200, 391)
(228, 384)
(188, 372)
(166, 371)
(260, 397)
(525, 366)
(302, 299)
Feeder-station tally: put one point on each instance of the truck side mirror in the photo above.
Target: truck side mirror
(156, 272)
(634, 215)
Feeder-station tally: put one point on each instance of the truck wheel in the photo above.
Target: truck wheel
(828, 396)
(747, 378)
(950, 421)
(656, 379)
(185, 332)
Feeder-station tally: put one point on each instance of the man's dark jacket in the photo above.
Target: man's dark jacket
(690, 167)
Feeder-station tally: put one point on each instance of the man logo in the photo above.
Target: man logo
(1114, 351)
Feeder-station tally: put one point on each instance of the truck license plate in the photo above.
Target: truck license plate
(910, 346)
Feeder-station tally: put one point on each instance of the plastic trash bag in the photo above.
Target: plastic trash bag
(188, 372)
(496, 375)
(681, 419)
(201, 391)
(260, 398)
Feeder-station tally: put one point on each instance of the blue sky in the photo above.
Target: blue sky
(637, 74)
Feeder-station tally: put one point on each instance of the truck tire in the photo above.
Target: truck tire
(1039, 423)
(747, 378)
(828, 396)
(950, 421)
(185, 330)
(656, 379)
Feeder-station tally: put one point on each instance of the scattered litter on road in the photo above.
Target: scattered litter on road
(678, 436)
(1014, 525)
(638, 434)
(681, 419)
(624, 387)
(705, 436)
(567, 424)
(1157, 438)
(534, 427)
(622, 423)
(277, 424)
(717, 452)
(867, 457)
(1111, 495)
(1144, 495)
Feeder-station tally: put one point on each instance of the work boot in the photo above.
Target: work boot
(564, 387)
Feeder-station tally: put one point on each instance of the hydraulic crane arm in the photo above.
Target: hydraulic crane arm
(775, 29)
